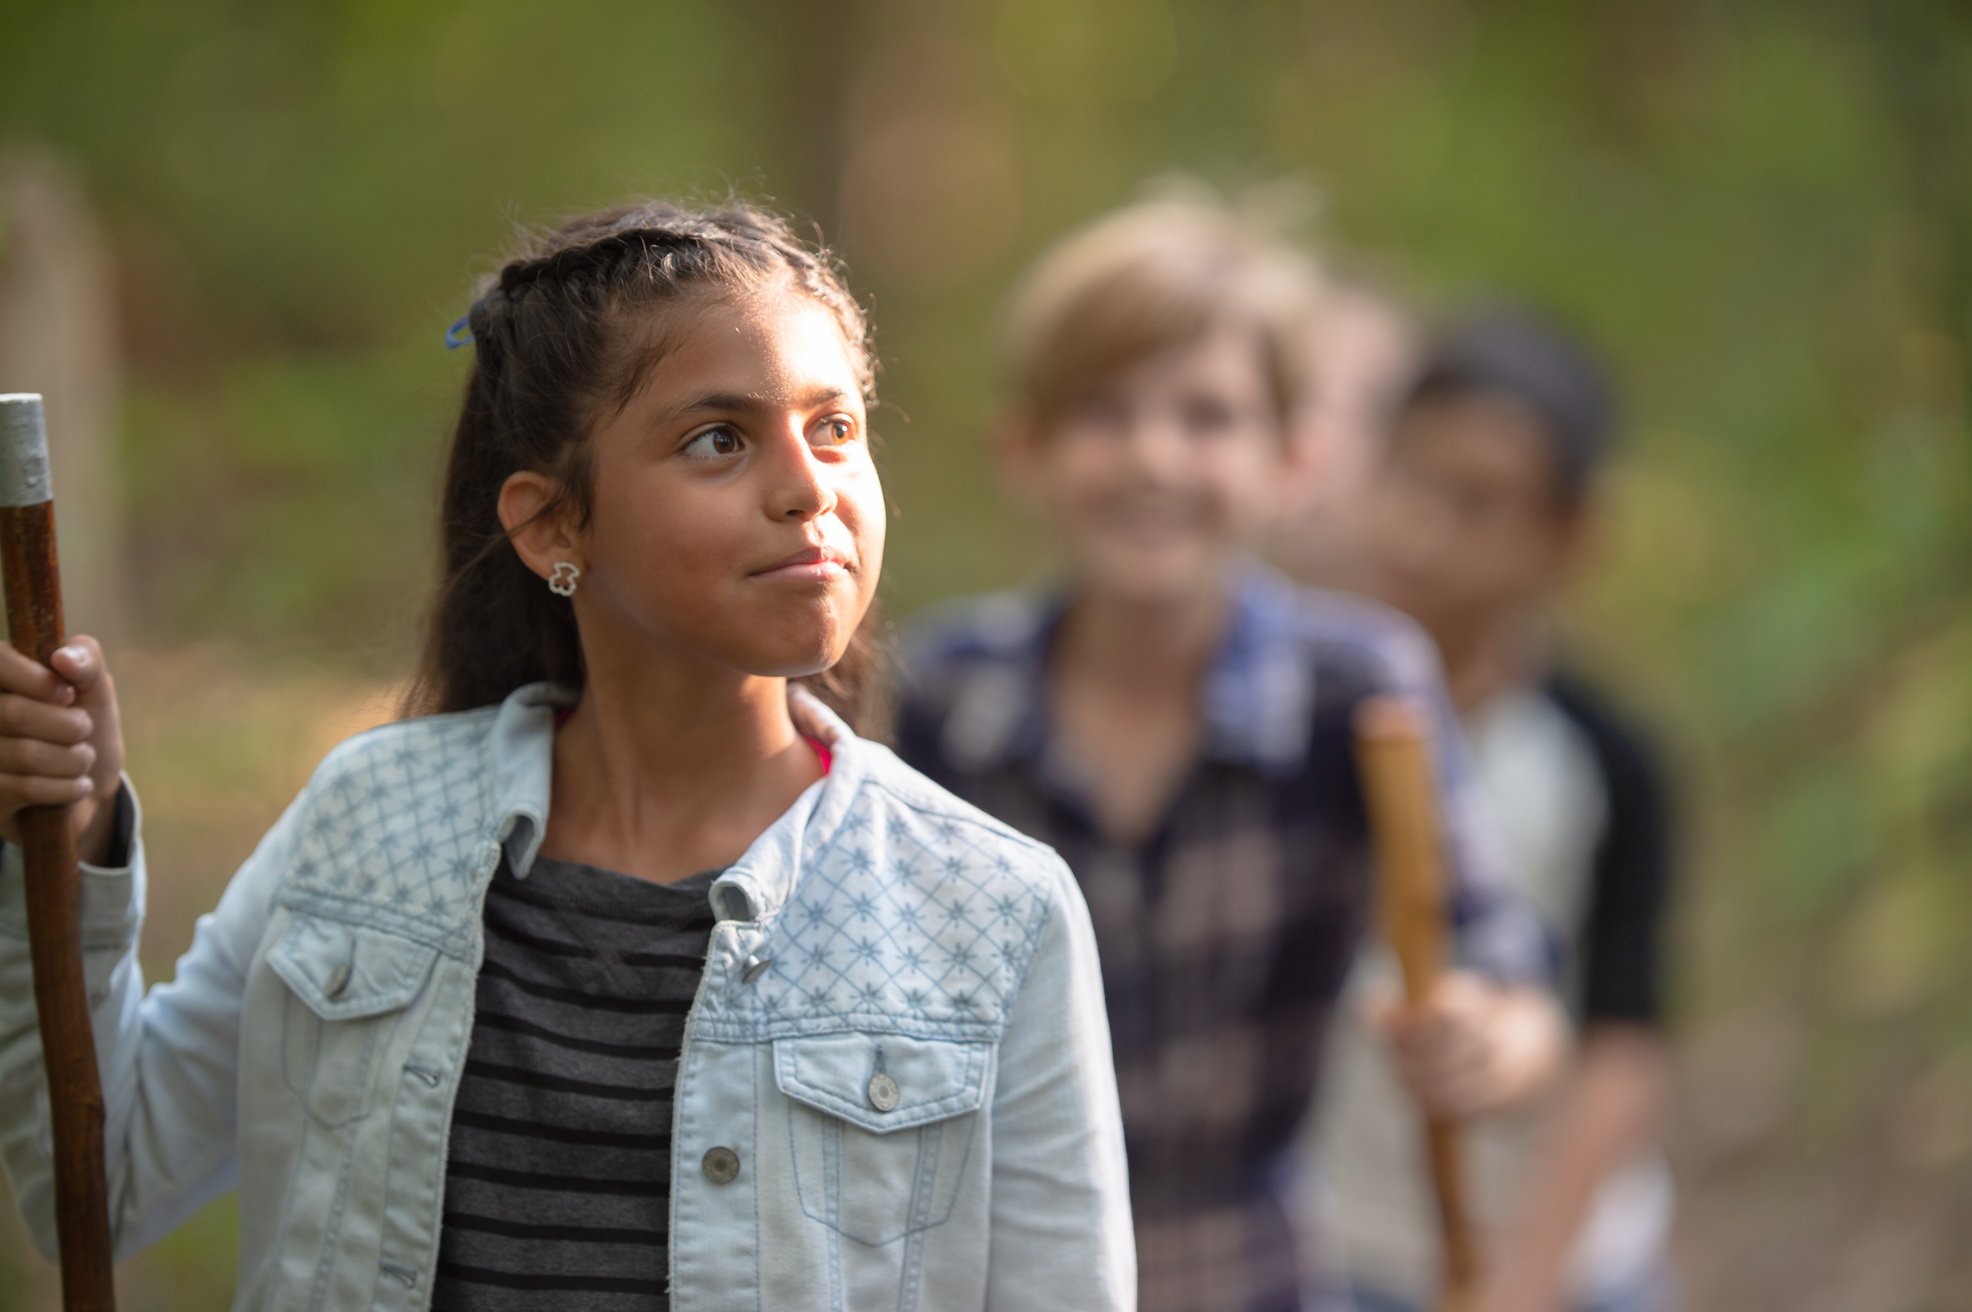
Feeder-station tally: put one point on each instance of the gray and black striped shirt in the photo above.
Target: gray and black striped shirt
(558, 1178)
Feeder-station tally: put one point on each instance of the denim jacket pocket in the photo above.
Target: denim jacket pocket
(881, 1127)
(347, 987)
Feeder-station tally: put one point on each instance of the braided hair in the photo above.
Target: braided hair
(556, 353)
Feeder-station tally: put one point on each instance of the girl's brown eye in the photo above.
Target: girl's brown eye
(840, 430)
(714, 443)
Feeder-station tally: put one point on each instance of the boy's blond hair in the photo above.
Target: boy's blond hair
(1154, 276)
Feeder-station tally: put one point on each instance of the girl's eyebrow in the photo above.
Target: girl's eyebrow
(756, 402)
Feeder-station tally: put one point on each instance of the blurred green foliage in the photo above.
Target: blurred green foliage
(1762, 211)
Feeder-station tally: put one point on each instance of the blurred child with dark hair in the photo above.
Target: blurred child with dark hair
(1478, 518)
(1176, 720)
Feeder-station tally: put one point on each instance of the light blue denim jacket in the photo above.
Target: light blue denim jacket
(311, 1045)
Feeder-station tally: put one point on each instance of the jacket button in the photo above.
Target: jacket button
(755, 963)
(337, 981)
(721, 1165)
(883, 1092)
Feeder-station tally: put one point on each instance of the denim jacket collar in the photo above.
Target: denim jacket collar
(762, 881)
(523, 750)
(756, 886)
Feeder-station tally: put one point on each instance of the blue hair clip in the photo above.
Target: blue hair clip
(459, 334)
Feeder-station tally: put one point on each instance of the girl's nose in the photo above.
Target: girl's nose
(802, 488)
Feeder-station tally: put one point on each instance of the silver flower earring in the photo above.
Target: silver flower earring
(561, 579)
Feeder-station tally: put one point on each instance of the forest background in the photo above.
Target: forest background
(1762, 211)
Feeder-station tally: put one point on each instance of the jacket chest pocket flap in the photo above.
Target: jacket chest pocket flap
(882, 1127)
(348, 986)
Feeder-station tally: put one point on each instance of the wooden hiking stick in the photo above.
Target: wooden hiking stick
(1393, 753)
(54, 882)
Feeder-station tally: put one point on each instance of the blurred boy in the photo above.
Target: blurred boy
(1476, 521)
(1175, 720)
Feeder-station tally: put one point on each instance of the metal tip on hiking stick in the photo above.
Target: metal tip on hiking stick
(24, 477)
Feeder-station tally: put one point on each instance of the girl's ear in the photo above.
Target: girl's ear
(540, 531)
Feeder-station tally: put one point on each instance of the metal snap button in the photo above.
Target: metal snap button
(755, 963)
(883, 1092)
(337, 981)
(721, 1165)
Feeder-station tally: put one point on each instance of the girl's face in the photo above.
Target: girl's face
(736, 515)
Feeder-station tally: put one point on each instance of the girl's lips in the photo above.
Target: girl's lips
(821, 571)
(816, 563)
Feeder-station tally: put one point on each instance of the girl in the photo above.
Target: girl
(622, 969)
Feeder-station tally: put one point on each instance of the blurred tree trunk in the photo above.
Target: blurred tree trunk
(58, 337)
(817, 46)
(1922, 60)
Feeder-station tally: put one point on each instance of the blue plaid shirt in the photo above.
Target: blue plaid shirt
(1227, 935)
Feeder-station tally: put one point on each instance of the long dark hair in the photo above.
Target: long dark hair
(551, 357)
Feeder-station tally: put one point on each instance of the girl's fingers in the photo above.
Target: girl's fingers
(31, 756)
(41, 790)
(24, 676)
(28, 717)
(79, 661)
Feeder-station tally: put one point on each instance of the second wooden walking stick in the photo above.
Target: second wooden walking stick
(1393, 751)
(54, 913)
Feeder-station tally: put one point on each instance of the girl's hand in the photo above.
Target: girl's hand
(1472, 1046)
(60, 742)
